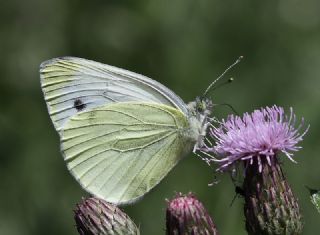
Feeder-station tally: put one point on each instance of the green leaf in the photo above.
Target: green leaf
(315, 197)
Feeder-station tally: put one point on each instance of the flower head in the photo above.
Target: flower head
(261, 134)
(96, 216)
(187, 215)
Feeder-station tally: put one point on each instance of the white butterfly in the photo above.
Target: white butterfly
(121, 132)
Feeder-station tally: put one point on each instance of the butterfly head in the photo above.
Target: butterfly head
(202, 106)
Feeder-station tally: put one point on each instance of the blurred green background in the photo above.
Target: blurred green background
(184, 44)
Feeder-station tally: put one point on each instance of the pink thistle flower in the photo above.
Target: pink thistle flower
(261, 134)
(256, 140)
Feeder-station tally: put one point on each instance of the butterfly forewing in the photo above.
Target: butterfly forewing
(120, 151)
(72, 85)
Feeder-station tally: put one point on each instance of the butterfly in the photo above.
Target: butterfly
(121, 132)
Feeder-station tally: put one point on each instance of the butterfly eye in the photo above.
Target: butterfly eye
(200, 107)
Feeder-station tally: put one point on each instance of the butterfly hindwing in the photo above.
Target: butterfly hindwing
(120, 151)
(72, 85)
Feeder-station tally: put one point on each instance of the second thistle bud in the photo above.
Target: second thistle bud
(270, 206)
(186, 215)
(95, 216)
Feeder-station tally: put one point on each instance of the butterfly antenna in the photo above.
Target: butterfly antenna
(230, 106)
(217, 79)
(239, 192)
(233, 199)
(222, 84)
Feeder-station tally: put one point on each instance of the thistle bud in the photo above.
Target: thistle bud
(270, 207)
(186, 215)
(95, 216)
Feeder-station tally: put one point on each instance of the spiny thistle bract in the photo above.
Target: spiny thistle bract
(186, 215)
(270, 206)
(255, 141)
(95, 216)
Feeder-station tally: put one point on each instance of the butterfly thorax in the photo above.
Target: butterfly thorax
(199, 112)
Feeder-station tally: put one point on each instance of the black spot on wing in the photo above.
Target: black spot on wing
(78, 105)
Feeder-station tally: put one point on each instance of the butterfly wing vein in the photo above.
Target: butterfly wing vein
(120, 151)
